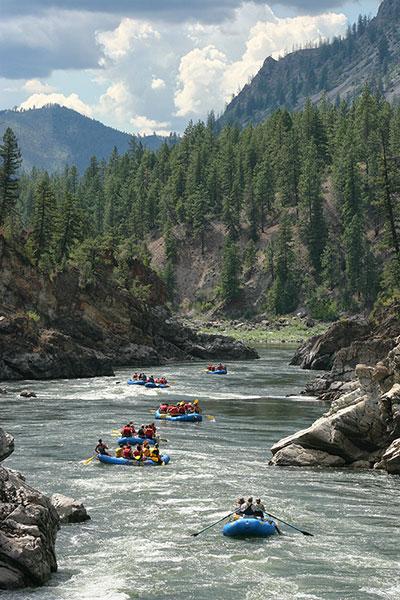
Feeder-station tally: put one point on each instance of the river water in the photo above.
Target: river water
(138, 543)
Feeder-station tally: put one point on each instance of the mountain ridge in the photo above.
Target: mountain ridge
(338, 69)
(54, 136)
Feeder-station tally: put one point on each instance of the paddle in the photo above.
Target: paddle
(289, 525)
(89, 460)
(212, 525)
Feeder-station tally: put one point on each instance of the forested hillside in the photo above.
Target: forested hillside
(53, 137)
(338, 68)
(304, 207)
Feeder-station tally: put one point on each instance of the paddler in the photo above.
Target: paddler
(101, 448)
(196, 406)
(146, 450)
(155, 455)
(259, 508)
(127, 452)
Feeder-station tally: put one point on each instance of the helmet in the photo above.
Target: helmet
(195, 401)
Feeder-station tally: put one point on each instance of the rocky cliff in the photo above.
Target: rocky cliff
(55, 326)
(28, 528)
(362, 426)
(344, 345)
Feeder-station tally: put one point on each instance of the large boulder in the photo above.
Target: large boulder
(295, 455)
(6, 444)
(391, 459)
(319, 352)
(28, 528)
(68, 509)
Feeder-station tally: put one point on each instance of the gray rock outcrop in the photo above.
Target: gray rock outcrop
(361, 429)
(28, 528)
(68, 509)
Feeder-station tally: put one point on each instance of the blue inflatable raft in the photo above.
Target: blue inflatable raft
(191, 418)
(135, 440)
(249, 527)
(220, 372)
(136, 382)
(113, 460)
(151, 384)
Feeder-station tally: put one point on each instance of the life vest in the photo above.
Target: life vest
(163, 407)
(126, 431)
(118, 452)
(173, 410)
(148, 432)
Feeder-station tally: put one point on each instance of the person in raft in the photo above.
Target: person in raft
(128, 430)
(101, 448)
(135, 377)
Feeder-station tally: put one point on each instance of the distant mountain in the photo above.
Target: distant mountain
(340, 69)
(54, 136)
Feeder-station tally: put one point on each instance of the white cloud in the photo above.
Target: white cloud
(200, 72)
(146, 126)
(72, 101)
(116, 103)
(120, 41)
(208, 76)
(158, 84)
(34, 86)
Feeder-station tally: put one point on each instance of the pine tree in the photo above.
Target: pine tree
(68, 227)
(41, 236)
(10, 156)
(283, 296)
(312, 218)
(230, 272)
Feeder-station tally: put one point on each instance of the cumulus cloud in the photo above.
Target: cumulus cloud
(158, 84)
(72, 101)
(118, 42)
(207, 78)
(116, 103)
(146, 126)
(200, 72)
(34, 86)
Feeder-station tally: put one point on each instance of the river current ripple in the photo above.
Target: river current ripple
(138, 543)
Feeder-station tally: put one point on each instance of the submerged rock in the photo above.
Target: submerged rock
(27, 394)
(68, 509)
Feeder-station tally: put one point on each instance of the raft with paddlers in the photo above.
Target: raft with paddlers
(148, 382)
(191, 418)
(217, 369)
(250, 527)
(128, 462)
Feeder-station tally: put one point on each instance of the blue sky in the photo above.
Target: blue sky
(151, 65)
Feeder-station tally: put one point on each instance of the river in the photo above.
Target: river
(138, 543)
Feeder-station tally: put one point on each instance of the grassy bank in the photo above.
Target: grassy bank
(292, 330)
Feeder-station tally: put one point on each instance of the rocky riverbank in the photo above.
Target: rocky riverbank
(61, 327)
(361, 429)
(28, 528)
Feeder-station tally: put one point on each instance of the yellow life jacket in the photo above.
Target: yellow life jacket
(118, 452)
